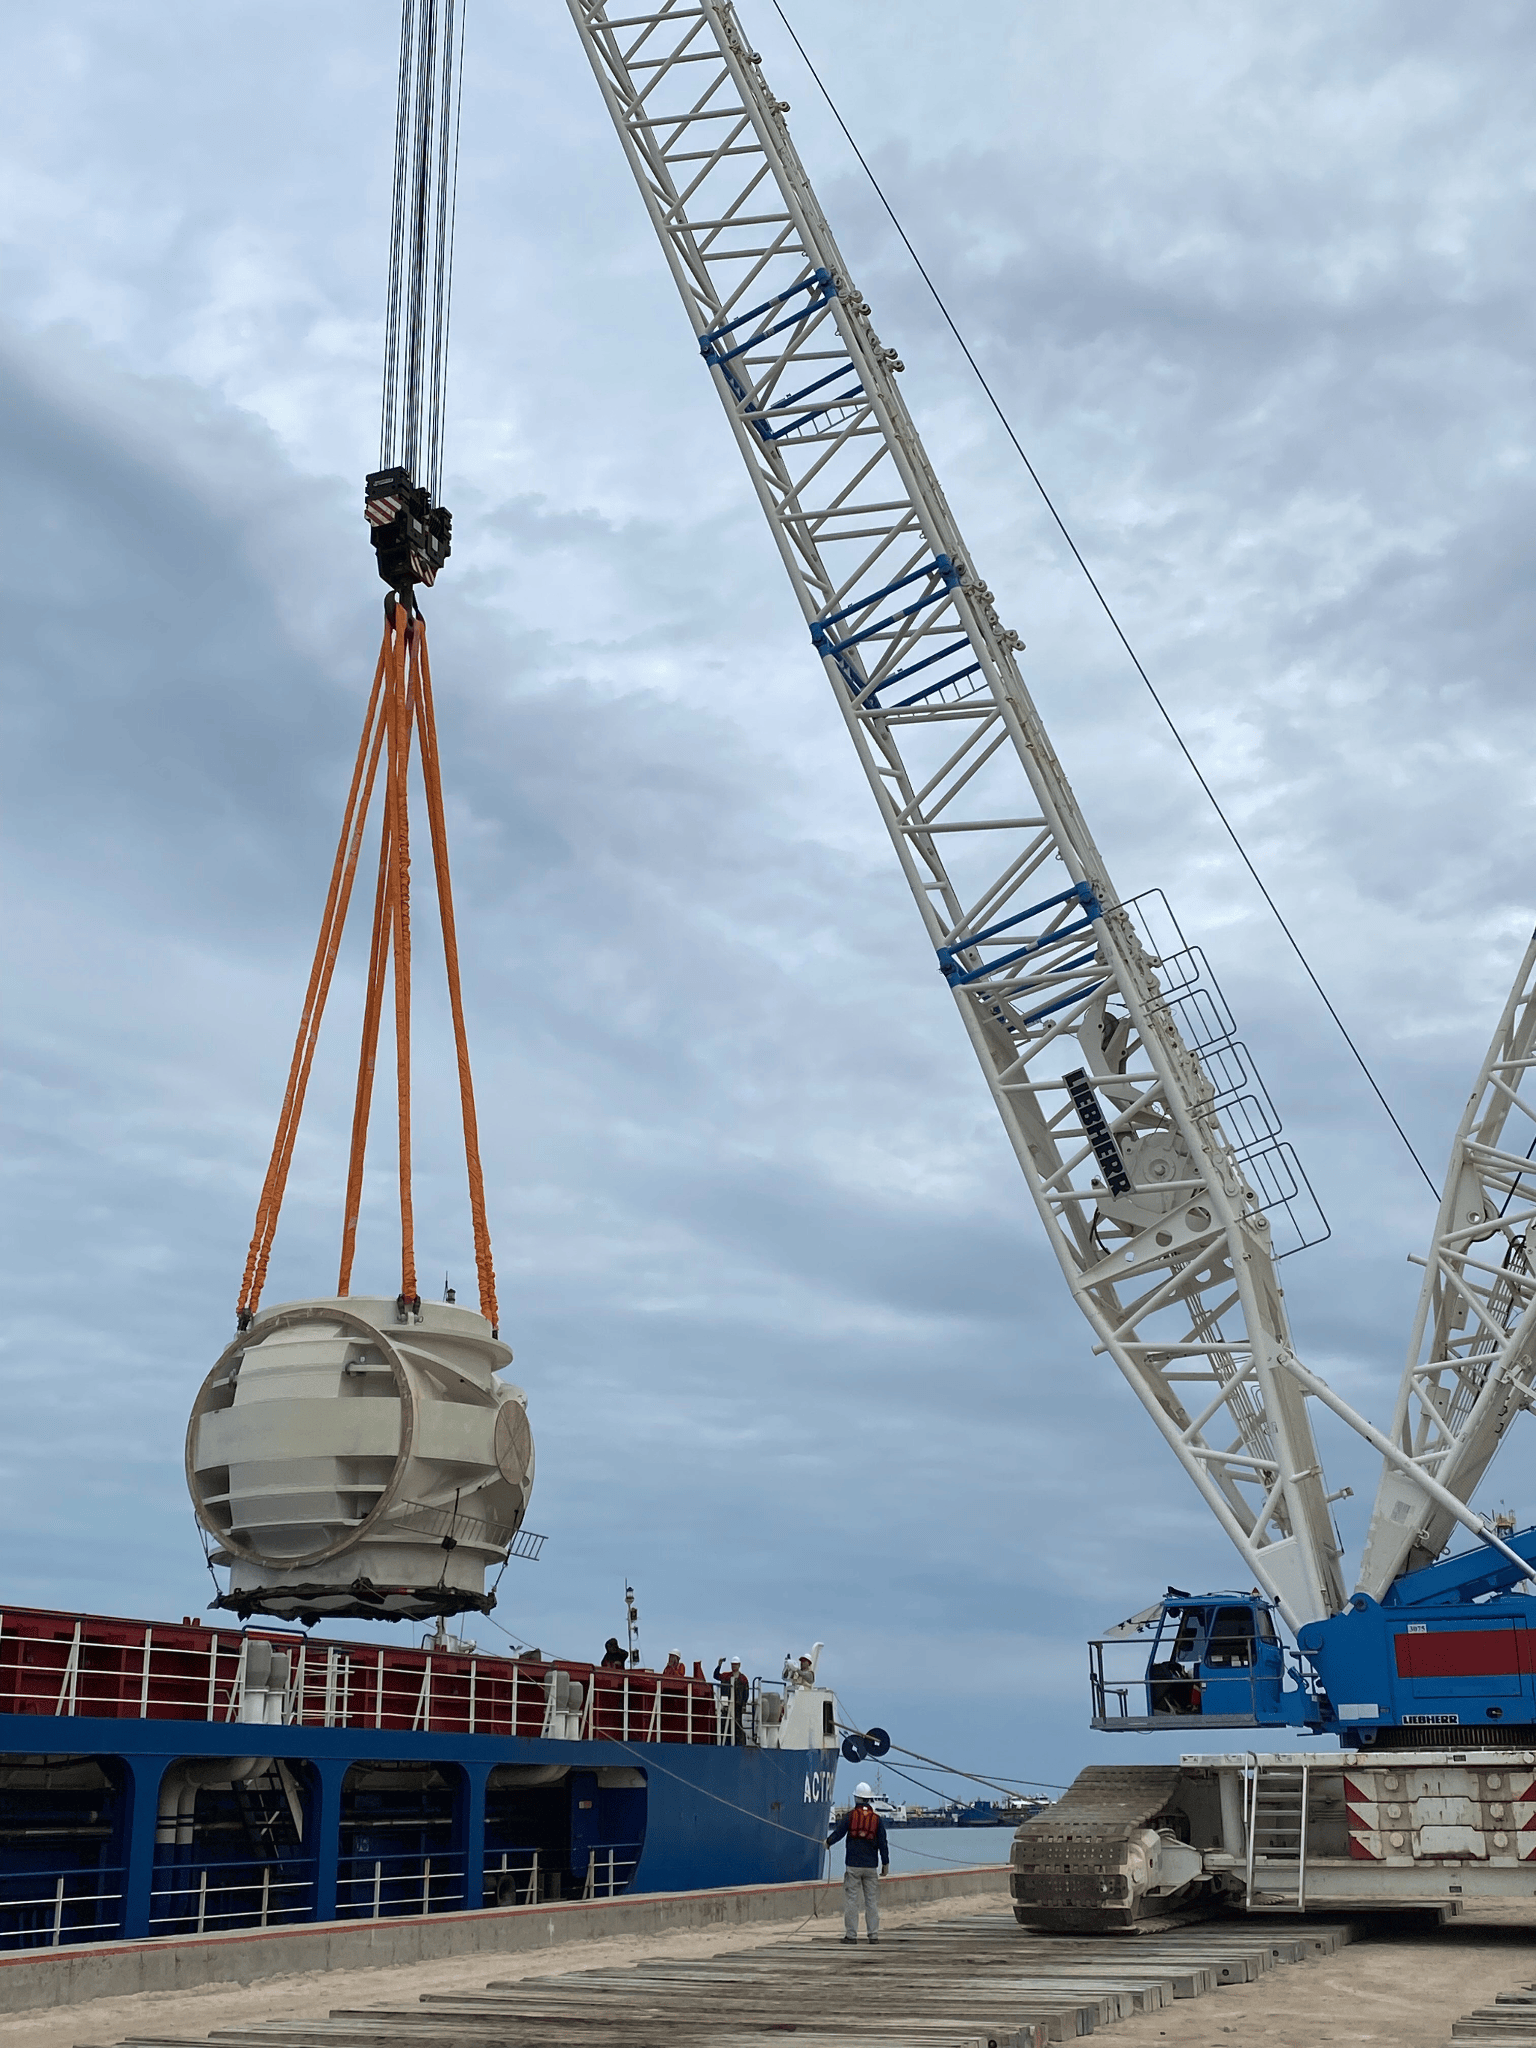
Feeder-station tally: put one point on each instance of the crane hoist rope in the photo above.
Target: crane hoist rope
(410, 533)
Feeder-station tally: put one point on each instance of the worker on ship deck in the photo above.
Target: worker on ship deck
(868, 1845)
(674, 1666)
(736, 1691)
(614, 1659)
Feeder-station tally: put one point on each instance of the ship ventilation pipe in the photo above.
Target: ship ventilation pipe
(255, 1664)
(557, 1693)
(565, 1698)
(182, 1783)
(264, 1682)
(277, 1689)
(84, 1776)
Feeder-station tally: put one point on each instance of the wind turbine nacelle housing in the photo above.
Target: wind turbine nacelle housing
(351, 1458)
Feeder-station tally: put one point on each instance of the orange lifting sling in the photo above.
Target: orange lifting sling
(399, 704)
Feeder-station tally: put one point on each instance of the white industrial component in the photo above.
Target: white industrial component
(262, 1681)
(354, 1458)
(1472, 1356)
(799, 1717)
(1122, 1134)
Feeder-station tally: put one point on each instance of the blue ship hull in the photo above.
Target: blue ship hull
(198, 1818)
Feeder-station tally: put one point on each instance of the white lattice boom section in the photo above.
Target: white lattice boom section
(1114, 1119)
(1472, 1357)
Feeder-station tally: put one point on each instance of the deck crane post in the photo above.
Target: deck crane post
(1146, 1143)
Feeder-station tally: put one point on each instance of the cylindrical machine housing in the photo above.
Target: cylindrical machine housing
(352, 1458)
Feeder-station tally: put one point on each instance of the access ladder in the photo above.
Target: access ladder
(1276, 1828)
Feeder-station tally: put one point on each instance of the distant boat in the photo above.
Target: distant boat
(972, 1813)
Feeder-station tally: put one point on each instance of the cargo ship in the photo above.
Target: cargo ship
(170, 1779)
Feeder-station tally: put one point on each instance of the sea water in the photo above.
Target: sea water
(914, 1849)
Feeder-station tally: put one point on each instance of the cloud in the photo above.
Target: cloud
(1250, 288)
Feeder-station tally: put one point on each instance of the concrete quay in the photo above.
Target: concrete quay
(36, 1979)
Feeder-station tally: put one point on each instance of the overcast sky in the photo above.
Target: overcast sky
(1253, 285)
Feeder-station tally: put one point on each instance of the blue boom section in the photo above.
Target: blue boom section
(1451, 1647)
(107, 1832)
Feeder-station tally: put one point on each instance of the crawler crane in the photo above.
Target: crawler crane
(1148, 1145)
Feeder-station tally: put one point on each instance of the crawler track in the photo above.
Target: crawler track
(1071, 1864)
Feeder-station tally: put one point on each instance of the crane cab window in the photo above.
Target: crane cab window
(1186, 1643)
(1232, 1639)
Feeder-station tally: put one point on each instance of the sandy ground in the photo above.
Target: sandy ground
(1394, 1989)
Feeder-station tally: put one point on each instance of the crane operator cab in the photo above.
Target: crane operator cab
(1210, 1660)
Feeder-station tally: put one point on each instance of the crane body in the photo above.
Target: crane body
(1147, 1142)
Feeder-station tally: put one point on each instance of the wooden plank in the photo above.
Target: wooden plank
(977, 1981)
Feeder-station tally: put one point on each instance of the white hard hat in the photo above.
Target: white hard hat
(735, 1660)
(862, 1791)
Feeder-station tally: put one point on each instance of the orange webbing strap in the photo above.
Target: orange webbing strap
(332, 920)
(373, 1003)
(426, 723)
(400, 834)
(378, 957)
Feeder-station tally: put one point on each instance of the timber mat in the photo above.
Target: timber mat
(1510, 2020)
(67, 1976)
(977, 1980)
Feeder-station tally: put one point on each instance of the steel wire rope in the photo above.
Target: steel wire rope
(388, 406)
(922, 1784)
(996, 1783)
(420, 161)
(423, 217)
(736, 1807)
(719, 1797)
(448, 213)
(1108, 610)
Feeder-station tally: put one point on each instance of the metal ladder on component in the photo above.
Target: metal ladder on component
(1276, 1828)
